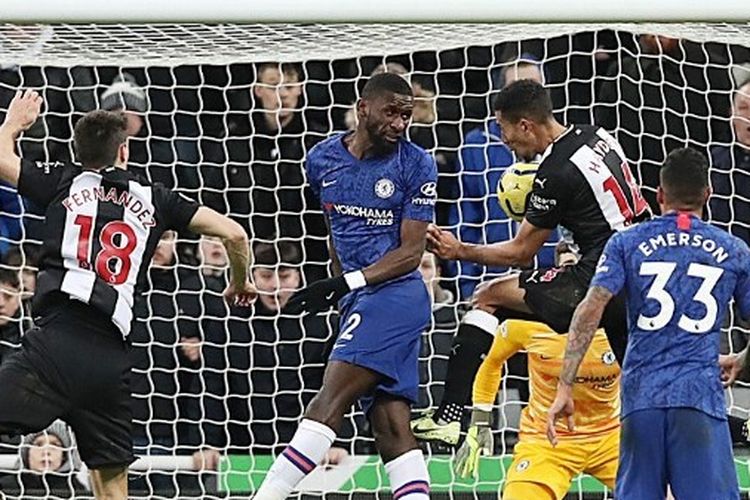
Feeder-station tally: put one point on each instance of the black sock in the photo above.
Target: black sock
(470, 346)
(615, 324)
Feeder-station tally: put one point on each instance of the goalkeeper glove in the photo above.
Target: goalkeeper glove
(324, 293)
(478, 442)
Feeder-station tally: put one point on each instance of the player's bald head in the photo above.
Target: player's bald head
(384, 84)
(684, 179)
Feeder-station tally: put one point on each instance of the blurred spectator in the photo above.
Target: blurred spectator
(729, 206)
(266, 145)
(214, 261)
(25, 260)
(47, 463)
(670, 93)
(260, 373)
(164, 362)
(11, 214)
(159, 153)
(20, 220)
(424, 101)
(443, 301)
(477, 216)
(12, 324)
(125, 95)
(213, 278)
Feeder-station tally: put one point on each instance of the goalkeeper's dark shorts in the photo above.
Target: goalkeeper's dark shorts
(73, 366)
(553, 293)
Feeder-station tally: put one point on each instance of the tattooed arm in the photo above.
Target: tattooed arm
(585, 322)
(582, 329)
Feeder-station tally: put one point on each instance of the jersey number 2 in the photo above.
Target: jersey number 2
(112, 263)
(351, 324)
(662, 271)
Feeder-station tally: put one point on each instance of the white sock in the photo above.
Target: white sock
(409, 477)
(306, 450)
(482, 319)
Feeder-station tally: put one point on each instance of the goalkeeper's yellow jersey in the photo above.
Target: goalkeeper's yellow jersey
(596, 392)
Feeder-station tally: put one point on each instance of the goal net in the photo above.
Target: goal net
(225, 114)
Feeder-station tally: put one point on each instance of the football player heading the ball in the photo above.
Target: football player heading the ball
(583, 184)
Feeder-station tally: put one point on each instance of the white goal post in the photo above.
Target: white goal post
(387, 11)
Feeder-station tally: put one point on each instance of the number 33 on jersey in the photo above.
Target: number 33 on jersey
(680, 275)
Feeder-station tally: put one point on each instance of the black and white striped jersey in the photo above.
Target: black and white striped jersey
(584, 184)
(101, 229)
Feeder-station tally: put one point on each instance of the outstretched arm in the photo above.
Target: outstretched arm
(211, 223)
(586, 320)
(517, 252)
(22, 113)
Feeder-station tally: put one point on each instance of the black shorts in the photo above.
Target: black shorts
(553, 293)
(74, 366)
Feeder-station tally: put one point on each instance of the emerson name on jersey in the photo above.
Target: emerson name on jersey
(671, 239)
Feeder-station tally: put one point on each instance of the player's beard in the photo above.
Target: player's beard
(379, 144)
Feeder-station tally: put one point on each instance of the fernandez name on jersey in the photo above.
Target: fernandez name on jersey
(101, 231)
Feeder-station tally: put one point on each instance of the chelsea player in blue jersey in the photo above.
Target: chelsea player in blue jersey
(680, 275)
(378, 194)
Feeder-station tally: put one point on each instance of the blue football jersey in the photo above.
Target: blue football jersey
(680, 275)
(366, 200)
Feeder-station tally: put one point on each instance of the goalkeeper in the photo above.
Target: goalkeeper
(539, 470)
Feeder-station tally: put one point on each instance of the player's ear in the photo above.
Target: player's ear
(707, 195)
(362, 108)
(660, 196)
(525, 125)
(123, 153)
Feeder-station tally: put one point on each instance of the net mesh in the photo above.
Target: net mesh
(216, 115)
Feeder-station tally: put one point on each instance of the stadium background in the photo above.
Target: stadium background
(207, 376)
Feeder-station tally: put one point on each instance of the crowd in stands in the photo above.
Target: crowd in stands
(210, 379)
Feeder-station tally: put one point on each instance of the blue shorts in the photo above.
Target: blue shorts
(684, 447)
(381, 330)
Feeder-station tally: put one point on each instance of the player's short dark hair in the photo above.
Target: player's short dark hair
(684, 177)
(281, 254)
(10, 277)
(524, 99)
(386, 83)
(98, 136)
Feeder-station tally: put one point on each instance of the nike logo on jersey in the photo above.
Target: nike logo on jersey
(326, 183)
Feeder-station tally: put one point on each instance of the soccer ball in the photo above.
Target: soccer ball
(514, 188)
